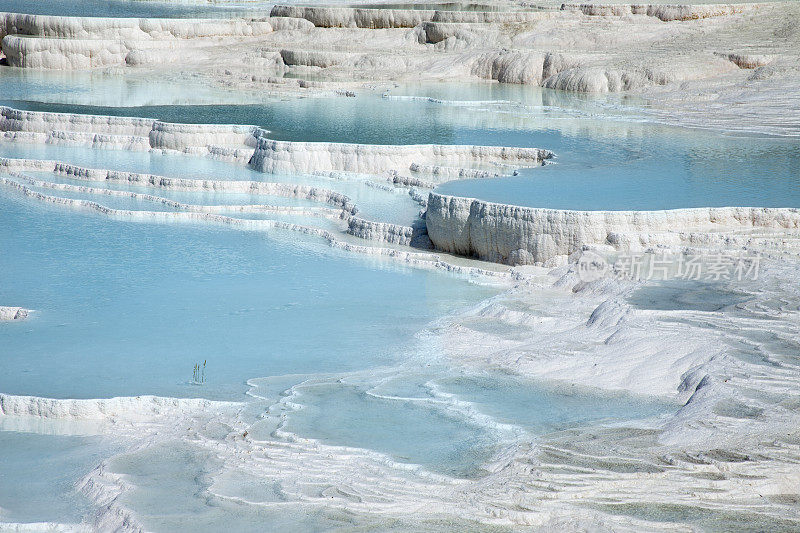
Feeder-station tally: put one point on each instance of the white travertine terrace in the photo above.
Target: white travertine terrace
(67, 43)
(183, 206)
(36, 121)
(731, 447)
(375, 18)
(70, 54)
(525, 235)
(417, 259)
(381, 231)
(248, 144)
(344, 208)
(288, 190)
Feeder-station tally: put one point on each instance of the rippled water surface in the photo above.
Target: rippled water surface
(127, 308)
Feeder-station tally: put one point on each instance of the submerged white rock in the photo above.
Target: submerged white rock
(13, 313)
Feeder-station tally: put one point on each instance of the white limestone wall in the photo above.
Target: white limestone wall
(525, 235)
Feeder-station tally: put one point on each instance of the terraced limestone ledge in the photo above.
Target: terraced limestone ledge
(249, 145)
(278, 156)
(524, 235)
(287, 190)
(418, 259)
(129, 133)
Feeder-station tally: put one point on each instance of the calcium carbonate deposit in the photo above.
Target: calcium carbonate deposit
(416, 267)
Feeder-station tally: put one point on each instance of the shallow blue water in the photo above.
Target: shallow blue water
(37, 474)
(658, 173)
(348, 416)
(681, 295)
(126, 308)
(451, 423)
(541, 409)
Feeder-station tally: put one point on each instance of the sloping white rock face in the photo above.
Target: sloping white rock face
(12, 313)
(524, 235)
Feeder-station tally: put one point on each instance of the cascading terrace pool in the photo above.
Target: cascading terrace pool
(244, 336)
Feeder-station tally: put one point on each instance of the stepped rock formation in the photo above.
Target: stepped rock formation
(495, 232)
